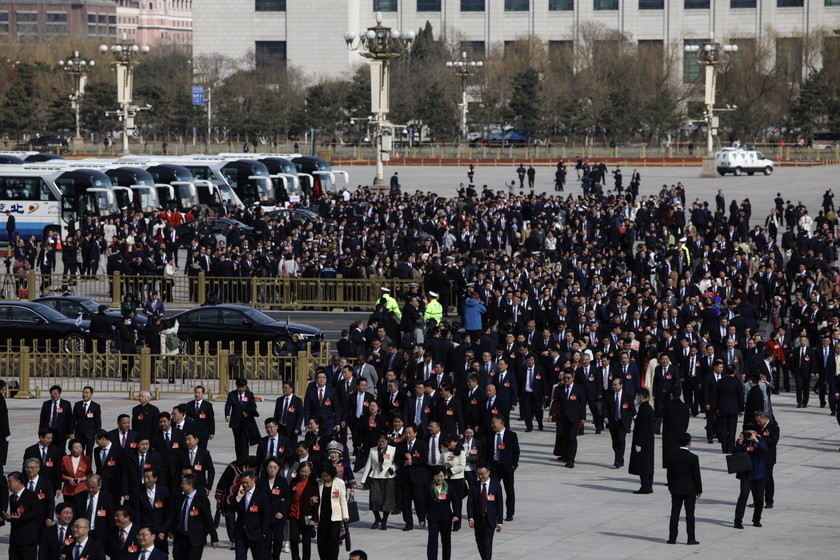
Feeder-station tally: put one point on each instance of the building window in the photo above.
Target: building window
(517, 5)
(651, 4)
(4, 22)
(474, 48)
(472, 5)
(561, 55)
(561, 5)
(734, 4)
(692, 69)
(384, 5)
(270, 55)
(605, 5)
(428, 5)
(790, 3)
(93, 30)
(271, 5)
(830, 3)
(56, 23)
(789, 58)
(696, 5)
(27, 23)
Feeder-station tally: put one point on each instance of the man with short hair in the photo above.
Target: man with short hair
(153, 504)
(288, 411)
(485, 510)
(123, 436)
(95, 506)
(42, 488)
(87, 420)
(49, 454)
(502, 452)
(685, 485)
(618, 416)
(25, 518)
(200, 409)
(83, 545)
(146, 545)
(121, 539)
(57, 413)
(144, 415)
(137, 461)
(199, 461)
(59, 535)
(190, 521)
(252, 509)
(240, 411)
(273, 444)
(411, 454)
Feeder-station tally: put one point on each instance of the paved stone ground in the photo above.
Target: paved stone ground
(591, 512)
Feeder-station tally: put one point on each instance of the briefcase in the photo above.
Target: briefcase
(738, 462)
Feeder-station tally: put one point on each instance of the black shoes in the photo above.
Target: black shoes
(509, 518)
(408, 528)
(570, 465)
(693, 542)
(757, 524)
(375, 525)
(768, 506)
(738, 525)
(671, 541)
(643, 491)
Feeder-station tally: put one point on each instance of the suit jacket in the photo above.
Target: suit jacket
(770, 434)
(473, 407)
(84, 470)
(144, 419)
(739, 360)
(730, 395)
(572, 410)
(684, 473)
(508, 450)
(410, 413)
(627, 406)
(632, 380)
(112, 470)
(64, 419)
(200, 519)
(593, 383)
(253, 523)
(93, 550)
(236, 407)
(443, 509)
(495, 503)
(104, 513)
(329, 411)
(509, 387)
(155, 554)
(416, 472)
(45, 493)
(284, 445)
(85, 426)
(170, 454)
(130, 439)
(278, 495)
(294, 415)
(25, 529)
(204, 419)
(663, 380)
(202, 467)
(52, 468)
(352, 406)
(133, 473)
(49, 547)
(153, 513)
(754, 402)
(449, 416)
(129, 547)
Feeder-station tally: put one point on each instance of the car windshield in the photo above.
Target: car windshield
(49, 313)
(89, 305)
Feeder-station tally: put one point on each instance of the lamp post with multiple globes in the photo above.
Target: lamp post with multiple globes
(465, 68)
(125, 58)
(77, 67)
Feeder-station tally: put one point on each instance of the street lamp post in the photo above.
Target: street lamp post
(710, 56)
(465, 68)
(380, 44)
(125, 58)
(77, 67)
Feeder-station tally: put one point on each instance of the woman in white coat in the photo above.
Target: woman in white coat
(332, 511)
(380, 477)
(454, 460)
(166, 351)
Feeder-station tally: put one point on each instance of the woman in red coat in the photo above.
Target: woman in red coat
(75, 468)
(303, 512)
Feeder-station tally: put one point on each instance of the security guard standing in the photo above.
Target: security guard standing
(390, 303)
(434, 310)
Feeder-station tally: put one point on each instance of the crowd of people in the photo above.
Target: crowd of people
(596, 312)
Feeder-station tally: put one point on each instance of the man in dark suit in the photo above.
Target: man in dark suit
(199, 461)
(25, 518)
(50, 456)
(87, 420)
(109, 462)
(710, 402)
(418, 407)
(253, 512)
(274, 444)
(448, 413)
(691, 378)
(146, 541)
(153, 505)
(134, 467)
(502, 452)
(356, 414)
(288, 411)
(321, 400)
(629, 371)
(532, 391)
(121, 539)
(826, 366)
(201, 411)
(730, 402)
(568, 412)
(144, 416)
(58, 535)
(770, 433)
(619, 418)
(240, 411)
(485, 510)
(97, 507)
(43, 489)
(169, 442)
(591, 379)
(685, 485)
(5, 431)
(190, 521)
(675, 416)
(665, 378)
(803, 366)
(123, 436)
(83, 545)
(473, 402)
(493, 404)
(392, 400)
(57, 413)
(410, 459)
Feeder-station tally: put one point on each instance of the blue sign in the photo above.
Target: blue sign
(198, 95)
(195, 132)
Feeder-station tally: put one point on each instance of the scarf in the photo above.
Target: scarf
(443, 490)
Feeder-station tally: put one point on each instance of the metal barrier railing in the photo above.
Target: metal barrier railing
(278, 293)
(36, 367)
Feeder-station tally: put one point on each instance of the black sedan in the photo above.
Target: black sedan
(32, 322)
(74, 306)
(297, 216)
(212, 226)
(242, 325)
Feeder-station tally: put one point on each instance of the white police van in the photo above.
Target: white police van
(738, 160)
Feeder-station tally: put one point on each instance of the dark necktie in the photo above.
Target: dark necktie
(271, 447)
(166, 437)
(61, 536)
(434, 450)
(617, 407)
(55, 415)
(484, 499)
(184, 514)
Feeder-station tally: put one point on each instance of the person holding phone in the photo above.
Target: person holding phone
(752, 481)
